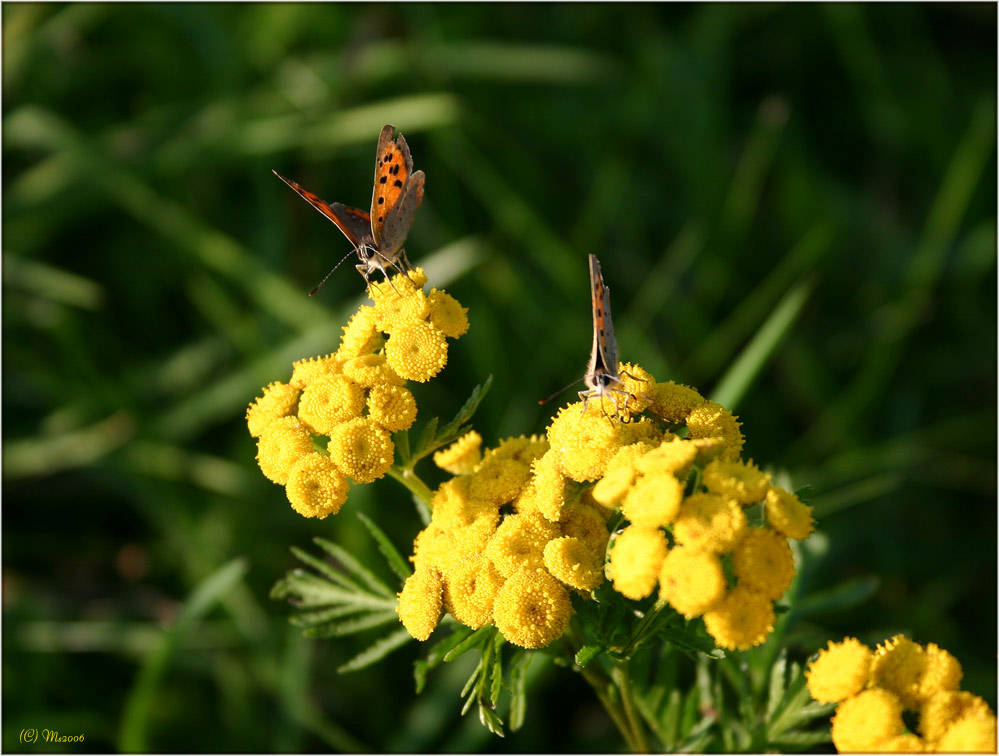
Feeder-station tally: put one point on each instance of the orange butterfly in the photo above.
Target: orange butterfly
(377, 236)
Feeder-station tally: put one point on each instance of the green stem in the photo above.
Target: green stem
(623, 681)
(637, 635)
(412, 481)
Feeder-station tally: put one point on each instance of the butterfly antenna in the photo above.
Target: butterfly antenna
(319, 285)
(548, 399)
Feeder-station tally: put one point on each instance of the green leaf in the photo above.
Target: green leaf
(847, 594)
(354, 567)
(425, 443)
(353, 625)
(490, 719)
(401, 441)
(305, 619)
(518, 689)
(377, 651)
(778, 686)
(588, 653)
(467, 410)
(475, 640)
(692, 640)
(395, 560)
(324, 568)
(496, 679)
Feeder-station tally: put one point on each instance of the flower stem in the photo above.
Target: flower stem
(623, 681)
(412, 481)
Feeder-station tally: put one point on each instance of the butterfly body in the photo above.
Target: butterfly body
(378, 236)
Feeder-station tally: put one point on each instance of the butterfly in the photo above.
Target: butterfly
(603, 374)
(377, 236)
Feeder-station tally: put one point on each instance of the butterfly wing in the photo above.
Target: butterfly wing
(396, 195)
(353, 223)
(603, 357)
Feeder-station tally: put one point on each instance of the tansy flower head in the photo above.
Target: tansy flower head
(672, 456)
(673, 402)
(763, 561)
(470, 590)
(907, 742)
(519, 542)
(281, 444)
(462, 456)
(840, 671)
(636, 557)
(392, 407)
(710, 522)
(740, 480)
(974, 734)
(396, 310)
(786, 514)
(399, 285)
(370, 370)
(584, 441)
(454, 507)
(943, 672)
(569, 560)
(866, 721)
(616, 482)
(416, 350)
(740, 620)
(948, 707)
(640, 430)
(499, 480)
(899, 665)
(316, 488)
(588, 525)
(330, 400)
(447, 314)
(363, 451)
(531, 609)
(524, 449)
(691, 581)
(547, 488)
(636, 381)
(278, 400)
(361, 335)
(654, 500)
(710, 420)
(307, 370)
(420, 603)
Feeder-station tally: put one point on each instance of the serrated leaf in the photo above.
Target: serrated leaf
(420, 670)
(693, 642)
(496, 674)
(472, 641)
(395, 560)
(439, 650)
(518, 690)
(467, 409)
(351, 626)
(354, 567)
(308, 590)
(325, 569)
(797, 742)
(425, 441)
(377, 650)
(778, 685)
(319, 616)
(588, 653)
(490, 719)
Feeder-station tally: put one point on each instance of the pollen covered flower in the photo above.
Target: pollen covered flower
(691, 581)
(569, 560)
(447, 314)
(416, 350)
(316, 488)
(547, 488)
(532, 609)
(786, 514)
(307, 370)
(636, 381)
(524, 449)
(392, 407)
(329, 401)
(499, 480)
(740, 620)
(673, 402)
(454, 507)
(740, 480)
(470, 590)
(420, 603)
(710, 420)
(636, 556)
(588, 525)
(673, 455)
(362, 450)
(584, 441)
(654, 500)
(763, 562)
(278, 400)
(462, 456)
(948, 707)
(907, 742)
(616, 482)
(394, 310)
(281, 444)
(899, 665)
(840, 671)
(974, 734)
(942, 672)
(370, 370)
(519, 542)
(710, 522)
(866, 721)
(361, 335)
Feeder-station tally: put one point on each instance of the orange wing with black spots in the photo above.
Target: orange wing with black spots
(603, 365)
(353, 223)
(397, 193)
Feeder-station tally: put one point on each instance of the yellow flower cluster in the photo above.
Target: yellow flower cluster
(872, 689)
(524, 525)
(356, 397)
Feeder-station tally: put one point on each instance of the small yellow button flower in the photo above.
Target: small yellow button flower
(547, 493)
(905, 743)
(711, 420)
(454, 507)
(654, 500)
(588, 525)
(673, 402)
(786, 514)
(462, 456)
(329, 401)
(899, 665)
(519, 542)
(569, 560)
(672, 456)
(447, 314)
(741, 481)
(397, 310)
(943, 672)
(636, 381)
(499, 480)
(392, 407)
(948, 707)
(278, 400)
(691, 581)
(524, 449)
(371, 370)
(840, 671)
(420, 603)
(281, 444)
(866, 721)
(470, 590)
(307, 370)
(740, 620)
(710, 522)
(361, 335)
(616, 482)
(362, 450)
(532, 609)
(316, 488)
(416, 350)
(974, 734)
(763, 561)
(583, 441)
(636, 556)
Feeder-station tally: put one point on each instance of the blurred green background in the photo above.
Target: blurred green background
(795, 211)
